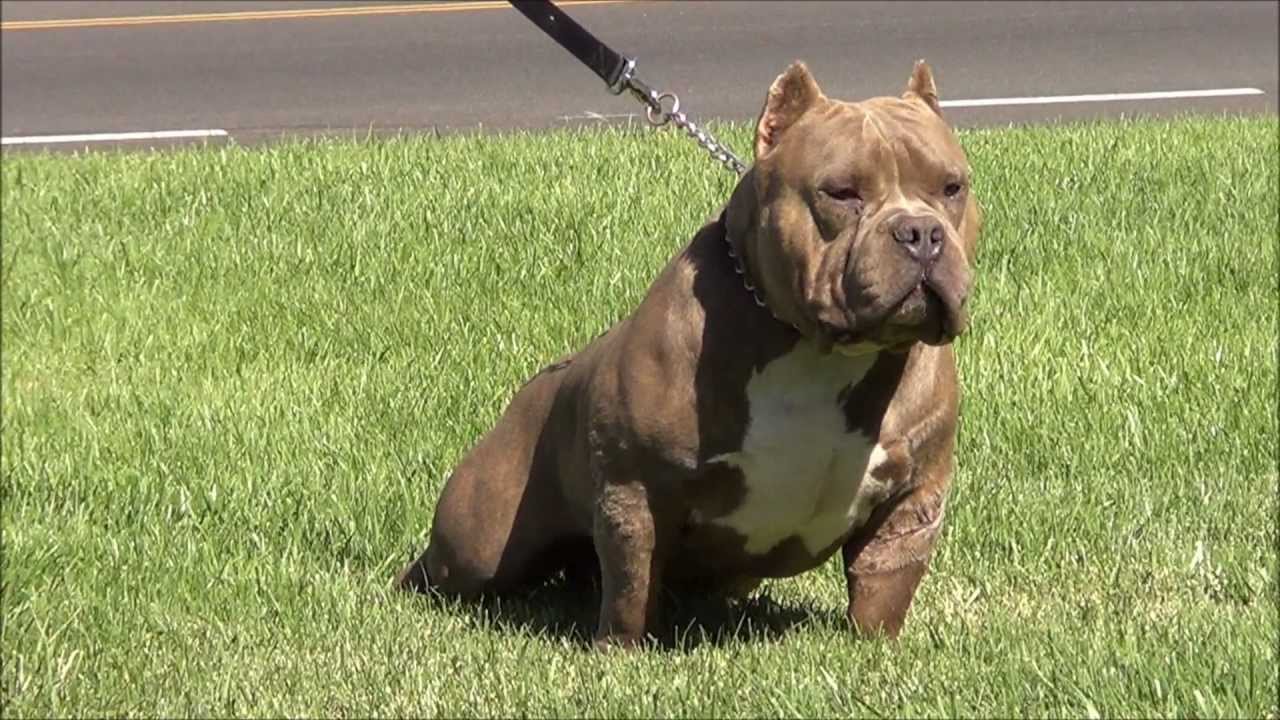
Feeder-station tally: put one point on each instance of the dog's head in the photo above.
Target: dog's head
(857, 219)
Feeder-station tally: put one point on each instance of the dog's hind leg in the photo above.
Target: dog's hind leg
(500, 510)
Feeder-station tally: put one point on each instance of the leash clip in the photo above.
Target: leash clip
(660, 108)
(654, 101)
(624, 78)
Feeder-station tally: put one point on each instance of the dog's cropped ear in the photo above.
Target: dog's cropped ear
(921, 86)
(793, 93)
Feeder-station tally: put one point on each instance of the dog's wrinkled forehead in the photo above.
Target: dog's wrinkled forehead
(884, 136)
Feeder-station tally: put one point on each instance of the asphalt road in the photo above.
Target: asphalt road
(482, 65)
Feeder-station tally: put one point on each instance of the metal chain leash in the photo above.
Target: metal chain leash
(659, 115)
(662, 108)
(708, 142)
(619, 74)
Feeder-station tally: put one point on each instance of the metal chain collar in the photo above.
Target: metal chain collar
(741, 270)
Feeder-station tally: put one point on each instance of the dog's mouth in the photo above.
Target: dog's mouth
(925, 312)
(921, 311)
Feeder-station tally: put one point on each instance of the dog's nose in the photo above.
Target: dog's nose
(920, 235)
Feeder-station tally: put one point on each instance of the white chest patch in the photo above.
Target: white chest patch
(806, 474)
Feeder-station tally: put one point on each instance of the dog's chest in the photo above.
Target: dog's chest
(806, 473)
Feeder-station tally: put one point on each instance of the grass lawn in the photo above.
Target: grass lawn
(235, 380)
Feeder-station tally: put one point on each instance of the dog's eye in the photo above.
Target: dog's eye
(952, 189)
(842, 194)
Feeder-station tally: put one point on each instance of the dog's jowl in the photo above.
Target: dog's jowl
(785, 390)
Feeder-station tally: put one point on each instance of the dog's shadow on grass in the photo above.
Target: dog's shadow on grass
(567, 609)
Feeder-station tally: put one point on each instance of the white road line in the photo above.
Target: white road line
(1034, 100)
(1104, 97)
(110, 137)
(589, 115)
(593, 115)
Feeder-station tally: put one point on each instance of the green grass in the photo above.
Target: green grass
(234, 381)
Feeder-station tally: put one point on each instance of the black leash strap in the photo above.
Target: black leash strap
(600, 58)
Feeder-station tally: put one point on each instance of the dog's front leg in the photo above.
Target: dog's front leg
(884, 564)
(629, 544)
